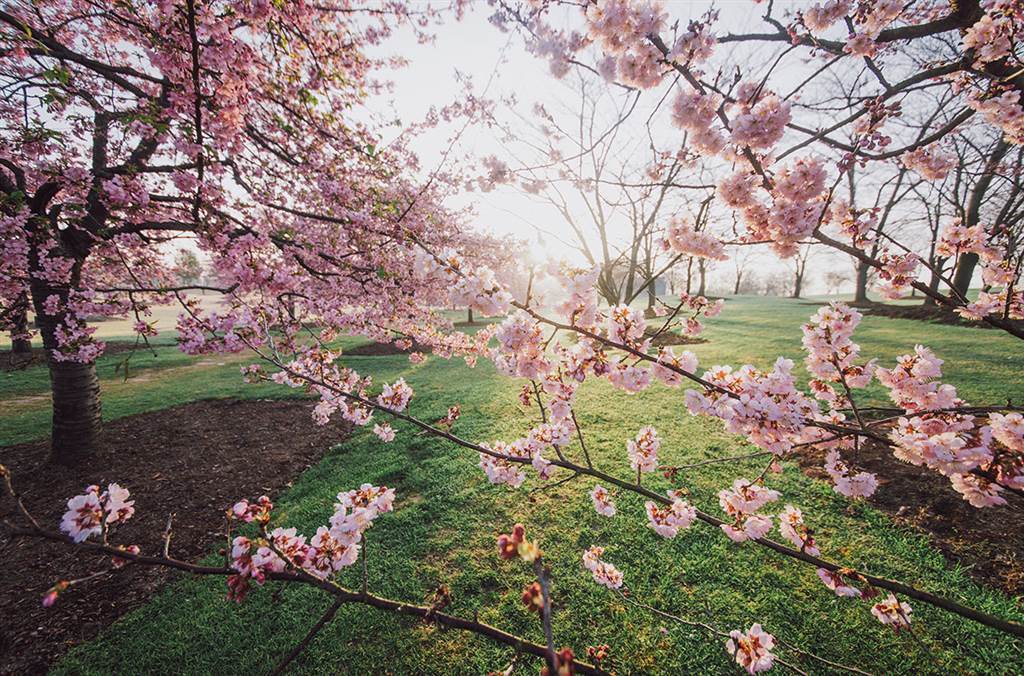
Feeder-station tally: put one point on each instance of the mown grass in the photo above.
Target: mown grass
(447, 516)
(153, 379)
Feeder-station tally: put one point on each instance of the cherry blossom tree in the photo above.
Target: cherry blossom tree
(224, 123)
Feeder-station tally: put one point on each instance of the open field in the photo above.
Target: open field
(447, 516)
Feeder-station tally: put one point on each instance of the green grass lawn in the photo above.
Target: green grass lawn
(447, 516)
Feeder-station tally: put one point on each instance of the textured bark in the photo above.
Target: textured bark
(469, 315)
(75, 388)
(76, 411)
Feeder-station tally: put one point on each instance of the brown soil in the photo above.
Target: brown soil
(925, 313)
(986, 542)
(183, 460)
(673, 338)
(14, 362)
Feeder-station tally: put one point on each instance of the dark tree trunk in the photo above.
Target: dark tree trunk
(965, 266)
(20, 345)
(736, 286)
(76, 411)
(798, 283)
(689, 276)
(652, 294)
(469, 315)
(965, 272)
(702, 271)
(860, 294)
(75, 389)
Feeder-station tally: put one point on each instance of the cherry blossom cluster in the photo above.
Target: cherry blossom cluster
(930, 162)
(997, 270)
(668, 520)
(333, 547)
(892, 613)
(764, 406)
(832, 355)
(520, 350)
(396, 396)
(620, 28)
(741, 503)
(643, 450)
(670, 364)
(793, 528)
(92, 513)
(626, 326)
(579, 307)
(502, 462)
(992, 37)
(846, 481)
(897, 273)
(947, 441)
(752, 649)
(602, 499)
(682, 238)
(604, 573)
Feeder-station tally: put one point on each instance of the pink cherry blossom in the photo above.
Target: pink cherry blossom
(837, 583)
(667, 521)
(603, 572)
(892, 612)
(602, 499)
(752, 649)
(643, 451)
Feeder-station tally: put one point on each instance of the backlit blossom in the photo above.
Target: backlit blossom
(930, 162)
(682, 238)
(761, 126)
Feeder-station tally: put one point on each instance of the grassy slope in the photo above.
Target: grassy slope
(446, 518)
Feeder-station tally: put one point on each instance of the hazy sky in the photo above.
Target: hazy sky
(499, 61)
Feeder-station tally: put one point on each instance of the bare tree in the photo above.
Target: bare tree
(626, 188)
(799, 268)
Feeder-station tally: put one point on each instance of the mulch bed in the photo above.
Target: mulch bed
(924, 313)
(184, 460)
(673, 338)
(988, 542)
